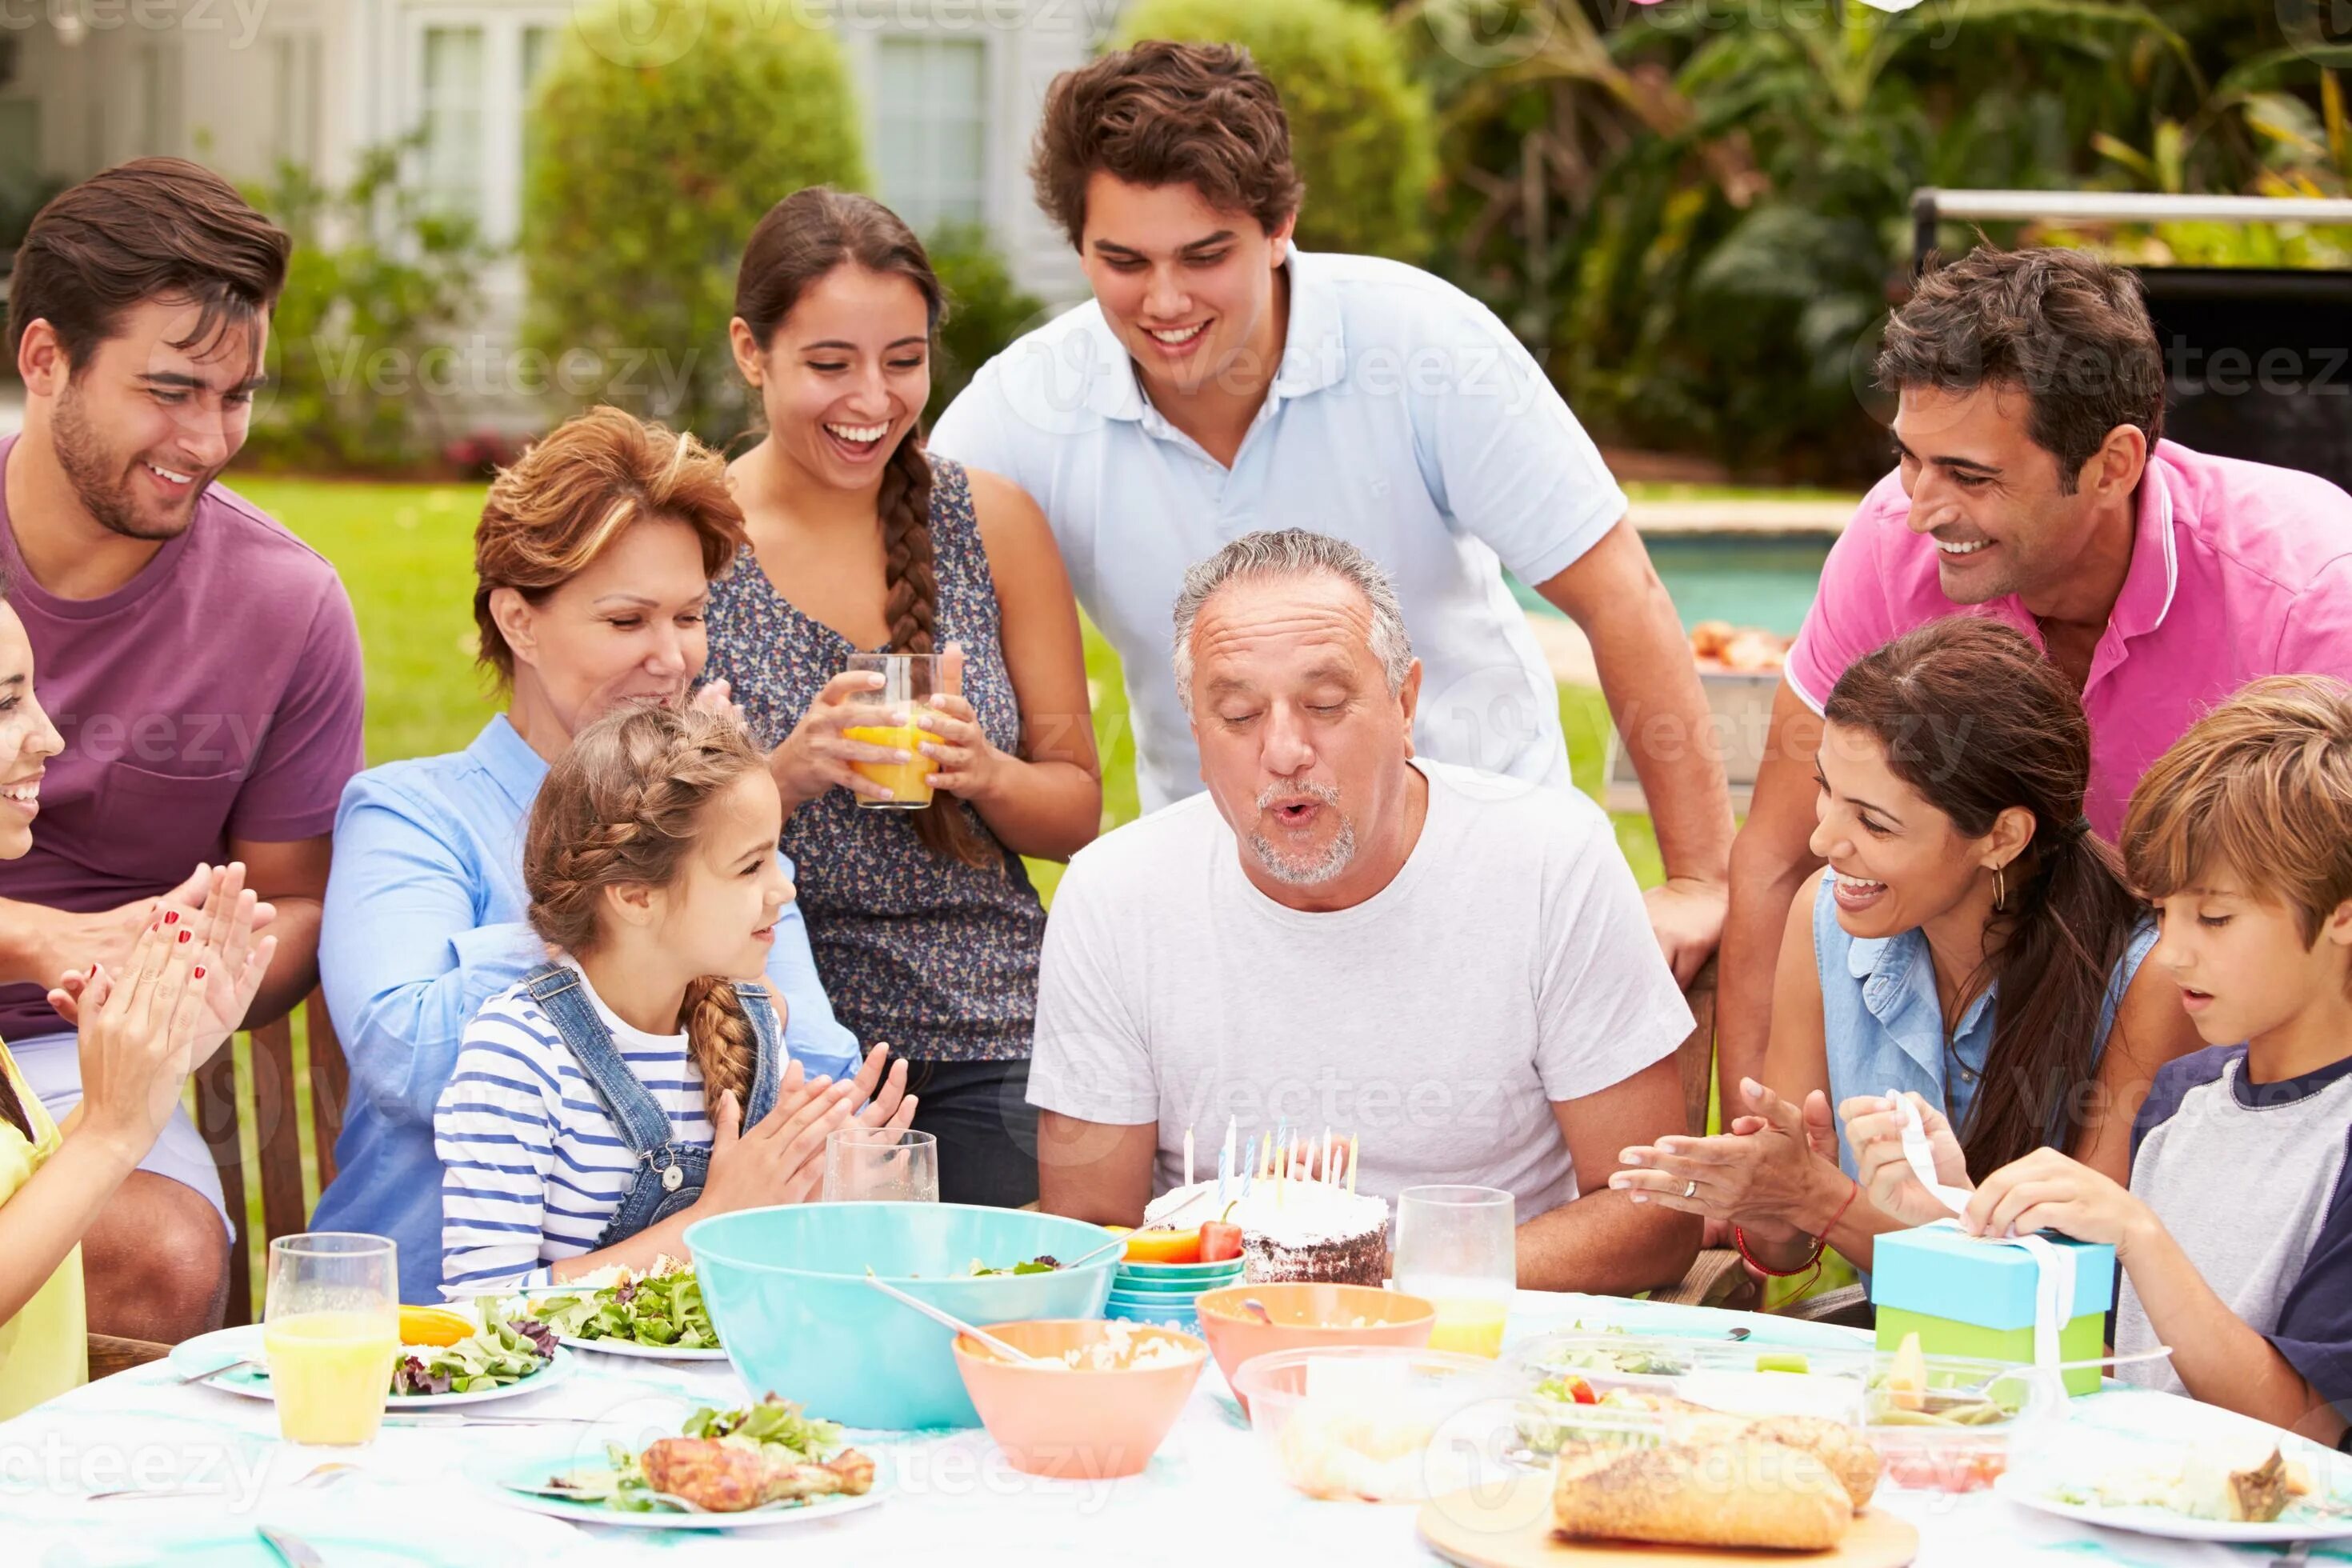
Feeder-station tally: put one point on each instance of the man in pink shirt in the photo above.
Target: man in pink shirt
(200, 661)
(2034, 487)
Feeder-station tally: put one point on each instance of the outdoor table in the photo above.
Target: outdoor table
(1211, 1495)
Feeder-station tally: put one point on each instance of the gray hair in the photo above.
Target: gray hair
(1294, 552)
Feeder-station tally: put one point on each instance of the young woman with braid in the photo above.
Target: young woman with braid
(925, 926)
(628, 1088)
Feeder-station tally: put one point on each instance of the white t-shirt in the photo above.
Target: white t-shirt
(1404, 418)
(1508, 964)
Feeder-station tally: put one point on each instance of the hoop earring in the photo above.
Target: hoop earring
(1999, 891)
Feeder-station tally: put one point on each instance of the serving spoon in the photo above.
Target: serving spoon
(949, 1320)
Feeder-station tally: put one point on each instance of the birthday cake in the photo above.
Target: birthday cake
(1314, 1231)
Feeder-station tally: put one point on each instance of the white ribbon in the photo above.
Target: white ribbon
(2054, 1295)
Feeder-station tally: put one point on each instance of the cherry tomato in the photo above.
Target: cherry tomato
(1220, 1241)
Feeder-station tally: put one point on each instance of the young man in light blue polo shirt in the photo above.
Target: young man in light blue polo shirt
(1222, 382)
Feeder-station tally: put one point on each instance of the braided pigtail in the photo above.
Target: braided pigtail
(911, 598)
(719, 1039)
(624, 807)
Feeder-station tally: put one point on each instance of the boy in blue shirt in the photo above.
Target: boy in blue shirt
(2235, 1235)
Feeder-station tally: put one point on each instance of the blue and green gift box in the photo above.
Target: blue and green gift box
(1968, 1298)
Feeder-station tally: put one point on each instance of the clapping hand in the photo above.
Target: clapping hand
(884, 1097)
(216, 905)
(138, 1036)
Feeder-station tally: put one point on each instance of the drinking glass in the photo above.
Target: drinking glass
(330, 1327)
(1458, 1247)
(881, 1164)
(908, 680)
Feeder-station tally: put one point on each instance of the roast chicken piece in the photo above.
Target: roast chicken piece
(727, 1477)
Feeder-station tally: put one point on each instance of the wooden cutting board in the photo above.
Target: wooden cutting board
(1510, 1527)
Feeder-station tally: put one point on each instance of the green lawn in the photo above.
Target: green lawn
(406, 552)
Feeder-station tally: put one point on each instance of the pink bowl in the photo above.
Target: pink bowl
(1309, 1317)
(1078, 1423)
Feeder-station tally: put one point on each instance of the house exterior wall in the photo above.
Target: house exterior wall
(240, 84)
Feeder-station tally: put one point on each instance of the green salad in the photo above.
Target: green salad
(503, 1353)
(662, 1308)
(1045, 1263)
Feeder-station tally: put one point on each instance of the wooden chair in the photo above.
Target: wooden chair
(273, 1109)
(273, 1105)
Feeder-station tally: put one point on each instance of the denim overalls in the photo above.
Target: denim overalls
(670, 1176)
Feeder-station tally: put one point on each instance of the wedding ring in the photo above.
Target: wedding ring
(1690, 1188)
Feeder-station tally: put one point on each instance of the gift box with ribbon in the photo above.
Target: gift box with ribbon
(1967, 1296)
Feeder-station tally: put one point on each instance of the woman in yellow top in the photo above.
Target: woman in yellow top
(143, 1033)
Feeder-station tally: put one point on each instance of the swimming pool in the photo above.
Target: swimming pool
(1749, 580)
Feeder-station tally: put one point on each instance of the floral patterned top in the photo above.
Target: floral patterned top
(937, 958)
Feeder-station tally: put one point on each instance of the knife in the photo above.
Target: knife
(292, 1550)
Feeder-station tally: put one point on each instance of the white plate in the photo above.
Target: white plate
(537, 1470)
(651, 1353)
(222, 1346)
(2163, 1522)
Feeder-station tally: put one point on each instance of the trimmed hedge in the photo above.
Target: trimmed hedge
(650, 163)
(1362, 133)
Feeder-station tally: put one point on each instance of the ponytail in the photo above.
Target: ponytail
(2069, 923)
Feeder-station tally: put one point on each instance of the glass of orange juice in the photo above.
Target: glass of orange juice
(908, 680)
(1458, 1247)
(329, 1329)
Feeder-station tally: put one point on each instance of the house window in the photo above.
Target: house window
(539, 45)
(453, 85)
(295, 71)
(159, 101)
(931, 129)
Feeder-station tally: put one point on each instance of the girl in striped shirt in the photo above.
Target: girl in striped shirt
(625, 1088)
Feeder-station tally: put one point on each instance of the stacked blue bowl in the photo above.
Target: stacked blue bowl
(1162, 1294)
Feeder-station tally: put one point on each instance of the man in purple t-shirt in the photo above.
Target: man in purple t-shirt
(200, 661)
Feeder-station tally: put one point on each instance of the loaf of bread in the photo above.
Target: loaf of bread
(1748, 1493)
(1845, 1450)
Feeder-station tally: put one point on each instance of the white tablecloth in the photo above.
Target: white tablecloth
(1211, 1494)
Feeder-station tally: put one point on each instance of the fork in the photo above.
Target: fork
(323, 1476)
(208, 1374)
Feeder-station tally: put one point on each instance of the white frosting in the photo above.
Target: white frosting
(1286, 1214)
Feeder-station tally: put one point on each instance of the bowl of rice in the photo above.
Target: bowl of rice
(1097, 1407)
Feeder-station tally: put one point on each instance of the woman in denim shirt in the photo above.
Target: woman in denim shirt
(593, 562)
(1971, 940)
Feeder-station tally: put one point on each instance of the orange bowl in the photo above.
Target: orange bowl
(1080, 1423)
(1309, 1317)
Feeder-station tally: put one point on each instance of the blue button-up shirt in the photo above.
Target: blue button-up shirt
(1883, 1021)
(423, 924)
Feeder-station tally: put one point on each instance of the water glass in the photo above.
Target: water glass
(908, 680)
(1458, 1247)
(881, 1164)
(330, 1328)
